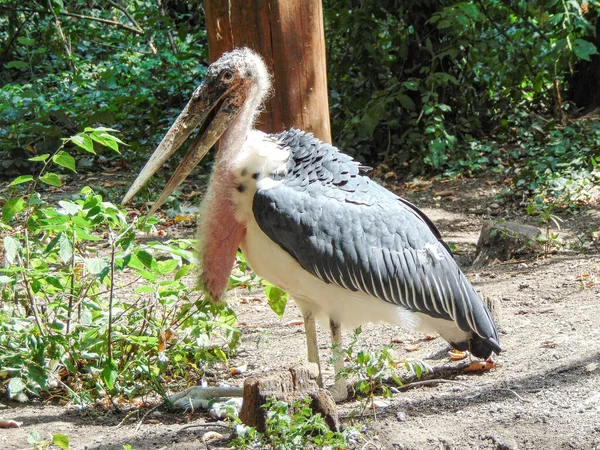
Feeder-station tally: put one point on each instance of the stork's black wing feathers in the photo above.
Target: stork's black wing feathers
(346, 229)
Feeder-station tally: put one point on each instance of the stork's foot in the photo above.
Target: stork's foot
(339, 391)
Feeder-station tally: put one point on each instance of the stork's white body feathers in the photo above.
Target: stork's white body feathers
(258, 161)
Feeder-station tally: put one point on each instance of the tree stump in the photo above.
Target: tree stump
(503, 241)
(288, 386)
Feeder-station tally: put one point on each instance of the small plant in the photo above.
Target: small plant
(291, 427)
(59, 440)
(374, 371)
(548, 240)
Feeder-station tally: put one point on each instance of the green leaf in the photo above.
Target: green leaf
(61, 440)
(107, 140)
(183, 271)
(146, 259)
(84, 141)
(584, 49)
(11, 249)
(21, 179)
(17, 65)
(16, 386)
(83, 234)
(109, 373)
(168, 266)
(5, 280)
(53, 243)
(63, 159)
(51, 178)
(12, 207)
(407, 102)
(69, 207)
(144, 289)
(39, 158)
(220, 354)
(33, 437)
(277, 299)
(25, 41)
(98, 267)
(65, 249)
(99, 129)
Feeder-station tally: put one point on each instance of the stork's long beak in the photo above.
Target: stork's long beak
(212, 104)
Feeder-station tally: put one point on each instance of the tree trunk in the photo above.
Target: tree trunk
(290, 37)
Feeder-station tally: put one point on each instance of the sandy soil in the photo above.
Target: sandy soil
(545, 394)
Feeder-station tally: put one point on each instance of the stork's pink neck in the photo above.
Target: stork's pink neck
(220, 234)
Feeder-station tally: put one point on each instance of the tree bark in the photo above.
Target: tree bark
(290, 37)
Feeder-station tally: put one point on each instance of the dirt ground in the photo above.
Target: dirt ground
(544, 394)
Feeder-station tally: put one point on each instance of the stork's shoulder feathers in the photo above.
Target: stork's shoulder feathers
(346, 229)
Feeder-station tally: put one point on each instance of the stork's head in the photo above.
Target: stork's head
(235, 87)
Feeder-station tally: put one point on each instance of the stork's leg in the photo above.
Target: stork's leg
(339, 391)
(310, 327)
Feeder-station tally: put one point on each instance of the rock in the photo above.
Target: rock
(288, 386)
(504, 240)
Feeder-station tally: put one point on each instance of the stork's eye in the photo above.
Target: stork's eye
(227, 75)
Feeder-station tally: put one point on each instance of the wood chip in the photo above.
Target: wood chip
(414, 348)
(443, 193)
(10, 424)
(211, 436)
(376, 404)
(239, 369)
(294, 323)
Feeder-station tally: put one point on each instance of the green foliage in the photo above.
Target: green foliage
(291, 427)
(559, 163)
(98, 74)
(419, 83)
(64, 323)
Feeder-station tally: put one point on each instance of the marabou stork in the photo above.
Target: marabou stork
(309, 221)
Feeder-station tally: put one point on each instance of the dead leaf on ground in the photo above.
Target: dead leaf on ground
(549, 344)
(443, 193)
(179, 219)
(481, 366)
(413, 348)
(152, 421)
(457, 355)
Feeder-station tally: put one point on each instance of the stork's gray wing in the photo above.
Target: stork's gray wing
(346, 229)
